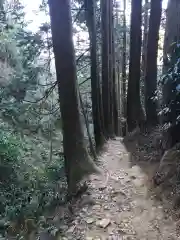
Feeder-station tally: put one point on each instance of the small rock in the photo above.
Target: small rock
(71, 229)
(138, 182)
(104, 223)
(93, 238)
(118, 192)
(84, 209)
(106, 198)
(115, 178)
(63, 228)
(88, 201)
(89, 220)
(133, 177)
(42, 219)
(96, 207)
(106, 207)
(135, 171)
(115, 237)
(56, 219)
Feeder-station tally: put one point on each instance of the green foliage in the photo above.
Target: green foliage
(31, 172)
(9, 156)
(171, 80)
(20, 49)
(8, 50)
(27, 186)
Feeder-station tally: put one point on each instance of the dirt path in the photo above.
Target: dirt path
(121, 208)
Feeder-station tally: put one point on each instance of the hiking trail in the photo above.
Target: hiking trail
(122, 207)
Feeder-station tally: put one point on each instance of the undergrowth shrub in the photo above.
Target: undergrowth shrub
(27, 188)
(171, 97)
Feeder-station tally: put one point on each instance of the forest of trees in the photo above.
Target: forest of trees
(94, 71)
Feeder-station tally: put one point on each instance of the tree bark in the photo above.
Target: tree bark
(112, 76)
(78, 163)
(151, 62)
(95, 84)
(124, 68)
(115, 95)
(106, 85)
(145, 38)
(134, 109)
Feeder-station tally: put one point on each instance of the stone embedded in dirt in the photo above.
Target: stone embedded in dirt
(135, 171)
(106, 198)
(104, 223)
(133, 177)
(115, 178)
(56, 219)
(96, 207)
(88, 201)
(115, 237)
(106, 207)
(90, 220)
(138, 182)
(71, 229)
(118, 192)
(127, 180)
(118, 200)
(94, 238)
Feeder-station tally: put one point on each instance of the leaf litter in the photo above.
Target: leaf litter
(123, 209)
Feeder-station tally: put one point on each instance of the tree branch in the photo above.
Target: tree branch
(84, 81)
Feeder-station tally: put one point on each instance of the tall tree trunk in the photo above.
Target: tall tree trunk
(77, 161)
(115, 95)
(151, 62)
(110, 39)
(146, 8)
(95, 84)
(145, 37)
(106, 86)
(134, 109)
(112, 76)
(124, 80)
(118, 71)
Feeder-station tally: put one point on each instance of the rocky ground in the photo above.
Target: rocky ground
(119, 205)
